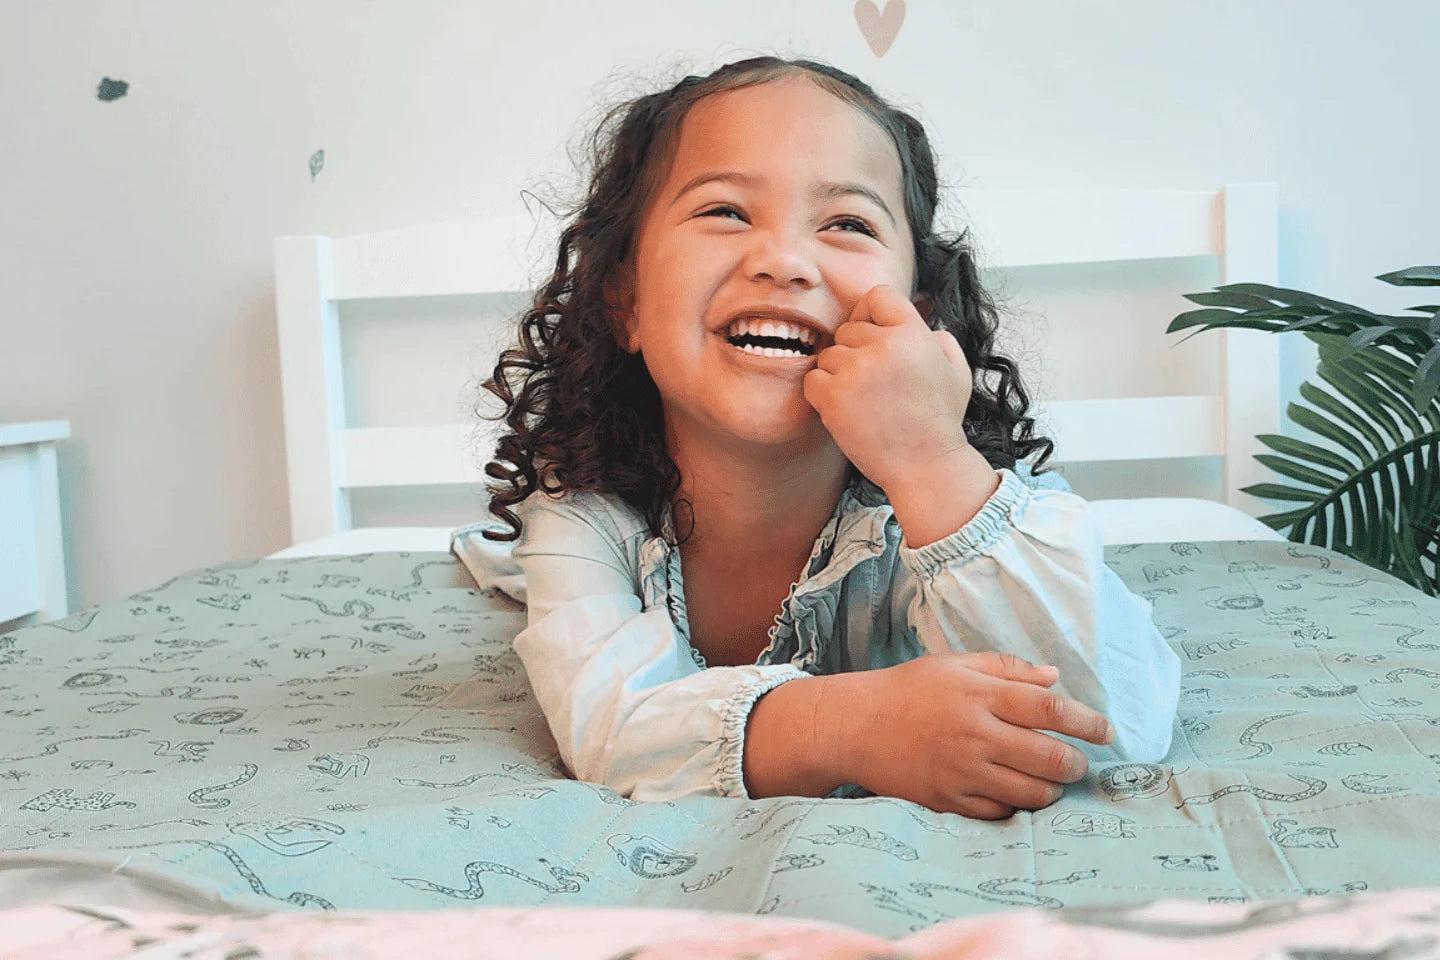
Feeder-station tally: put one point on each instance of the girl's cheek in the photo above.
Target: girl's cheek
(851, 286)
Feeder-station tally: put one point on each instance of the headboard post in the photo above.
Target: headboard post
(312, 385)
(1250, 359)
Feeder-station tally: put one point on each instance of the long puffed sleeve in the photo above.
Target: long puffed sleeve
(1026, 575)
(625, 699)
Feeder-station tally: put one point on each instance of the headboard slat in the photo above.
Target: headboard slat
(474, 257)
(1091, 226)
(1146, 428)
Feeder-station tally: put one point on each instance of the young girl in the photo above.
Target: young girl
(752, 335)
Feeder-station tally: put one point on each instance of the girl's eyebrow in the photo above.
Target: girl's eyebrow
(823, 191)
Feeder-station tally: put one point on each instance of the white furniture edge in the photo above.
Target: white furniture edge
(313, 274)
(43, 431)
(50, 598)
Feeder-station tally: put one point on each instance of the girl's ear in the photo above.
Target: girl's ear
(620, 307)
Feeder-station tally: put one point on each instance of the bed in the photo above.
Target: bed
(282, 752)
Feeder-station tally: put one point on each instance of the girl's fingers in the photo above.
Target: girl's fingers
(1040, 755)
(861, 311)
(884, 306)
(1020, 790)
(834, 358)
(1026, 706)
(1007, 666)
(856, 333)
(980, 808)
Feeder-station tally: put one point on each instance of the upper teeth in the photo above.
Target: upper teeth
(772, 328)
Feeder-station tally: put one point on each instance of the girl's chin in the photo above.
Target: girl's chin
(795, 422)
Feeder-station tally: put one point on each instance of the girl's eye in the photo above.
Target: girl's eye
(856, 222)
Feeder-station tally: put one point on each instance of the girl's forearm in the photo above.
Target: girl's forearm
(803, 738)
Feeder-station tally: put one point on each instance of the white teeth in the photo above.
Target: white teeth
(769, 351)
(759, 327)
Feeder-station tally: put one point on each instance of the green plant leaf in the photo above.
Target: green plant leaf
(1193, 318)
(1306, 321)
(1276, 491)
(1297, 471)
(1376, 543)
(1279, 521)
(1379, 496)
(1399, 377)
(1413, 277)
(1351, 441)
(1301, 450)
(1381, 406)
(1407, 555)
(1224, 298)
(1428, 376)
(1291, 296)
(1240, 323)
(1363, 338)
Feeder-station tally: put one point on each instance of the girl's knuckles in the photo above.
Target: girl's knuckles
(1059, 761)
(1053, 710)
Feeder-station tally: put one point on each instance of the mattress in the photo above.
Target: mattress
(355, 733)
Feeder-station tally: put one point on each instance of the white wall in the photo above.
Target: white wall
(136, 298)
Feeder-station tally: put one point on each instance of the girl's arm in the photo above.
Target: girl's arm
(627, 703)
(1027, 576)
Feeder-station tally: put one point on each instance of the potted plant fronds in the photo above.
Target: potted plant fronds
(1374, 496)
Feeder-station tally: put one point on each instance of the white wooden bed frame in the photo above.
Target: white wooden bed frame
(315, 274)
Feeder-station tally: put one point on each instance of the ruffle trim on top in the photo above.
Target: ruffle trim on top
(860, 518)
(661, 584)
(810, 610)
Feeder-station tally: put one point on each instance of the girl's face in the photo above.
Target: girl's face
(780, 195)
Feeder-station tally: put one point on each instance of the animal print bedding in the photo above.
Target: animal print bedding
(356, 733)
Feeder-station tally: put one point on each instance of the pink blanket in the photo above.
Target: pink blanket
(1396, 924)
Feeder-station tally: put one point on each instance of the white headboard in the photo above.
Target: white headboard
(315, 274)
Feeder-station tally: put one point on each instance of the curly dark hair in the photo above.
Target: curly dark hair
(588, 413)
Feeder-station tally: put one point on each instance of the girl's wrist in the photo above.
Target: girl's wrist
(845, 724)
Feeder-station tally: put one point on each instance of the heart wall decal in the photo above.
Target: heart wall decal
(879, 29)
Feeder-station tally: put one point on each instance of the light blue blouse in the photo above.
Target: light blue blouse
(632, 704)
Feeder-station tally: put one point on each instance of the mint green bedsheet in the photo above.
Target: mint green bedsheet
(355, 732)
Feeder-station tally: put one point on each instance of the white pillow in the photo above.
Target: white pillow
(371, 540)
(1173, 519)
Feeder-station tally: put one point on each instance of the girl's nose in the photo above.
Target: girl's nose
(780, 256)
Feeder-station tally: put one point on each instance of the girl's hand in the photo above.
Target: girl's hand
(959, 733)
(891, 391)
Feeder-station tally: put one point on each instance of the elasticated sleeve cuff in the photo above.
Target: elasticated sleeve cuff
(997, 516)
(730, 774)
